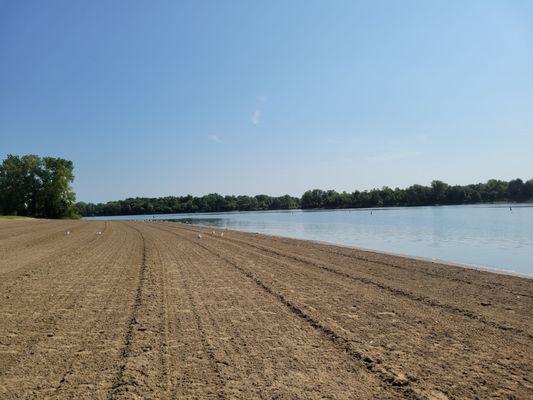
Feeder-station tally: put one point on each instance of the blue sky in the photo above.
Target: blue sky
(170, 98)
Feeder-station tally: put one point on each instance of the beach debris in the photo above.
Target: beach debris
(199, 236)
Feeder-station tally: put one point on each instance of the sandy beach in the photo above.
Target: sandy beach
(116, 310)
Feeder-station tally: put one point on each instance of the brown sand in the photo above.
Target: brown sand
(149, 310)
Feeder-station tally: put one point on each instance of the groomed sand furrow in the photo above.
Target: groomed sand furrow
(95, 329)
(58, 246)
(42, 302)
(350, 272)
(342, 343)
(448, 331)
(206, 271)
(123, 381)
(65, 301)
(380, 264)
(190, 372)
(150, 310)
(395, 291)
(20, 228)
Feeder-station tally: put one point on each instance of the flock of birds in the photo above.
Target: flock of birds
(67, 233)
(199, 236)
(214, 233)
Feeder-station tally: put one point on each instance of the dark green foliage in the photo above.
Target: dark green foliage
(186, 204)
(37, 187)
(416, 195)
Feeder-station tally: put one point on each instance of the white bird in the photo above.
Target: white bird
(199, 236)
(221, 234)
(99, 233)
(67, 233)
(213, 232)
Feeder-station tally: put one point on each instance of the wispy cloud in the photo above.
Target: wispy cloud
(215, 138)
(394, 156)
(256, 117)
(342, 141)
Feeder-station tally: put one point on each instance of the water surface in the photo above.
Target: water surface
(490, 236)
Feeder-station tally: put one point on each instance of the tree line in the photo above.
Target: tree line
(41, 187)
(213, 202)
(438, 193)
(37, 187)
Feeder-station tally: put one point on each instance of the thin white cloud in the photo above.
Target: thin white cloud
(256, 117)
(215, 138)
(394, 156)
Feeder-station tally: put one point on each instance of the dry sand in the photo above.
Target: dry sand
(149, 310)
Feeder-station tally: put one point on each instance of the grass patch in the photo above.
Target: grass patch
(8, 217)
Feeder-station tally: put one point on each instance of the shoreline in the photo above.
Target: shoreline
(374, 251)
(288, 210)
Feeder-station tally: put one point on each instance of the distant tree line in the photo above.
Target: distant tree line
(188, 204)
(37, 186)
(438, 193)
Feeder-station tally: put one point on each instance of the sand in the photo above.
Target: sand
(150, 310)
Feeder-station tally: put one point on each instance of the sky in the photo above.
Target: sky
(155, 98)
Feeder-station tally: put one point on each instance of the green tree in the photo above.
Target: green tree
(35, 186)
(439, 191)
(56, 195)
(313, 199)
(515, 189)
(13, 194)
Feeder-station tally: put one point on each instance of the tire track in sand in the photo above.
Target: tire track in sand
(341, 343)
(203, 338)
(244, 356)
(395, 291)
(120, 383)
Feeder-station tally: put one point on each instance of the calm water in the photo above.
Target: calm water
(478, 235)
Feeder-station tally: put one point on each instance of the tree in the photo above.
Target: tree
(439, 191)
(13, 194)
(313, 199)
(515, 188)
(35, 186)
(528, 189)
(56, 194)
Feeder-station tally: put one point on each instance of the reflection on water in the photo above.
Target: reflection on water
(481, 235)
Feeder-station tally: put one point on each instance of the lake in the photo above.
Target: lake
(490, 236)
